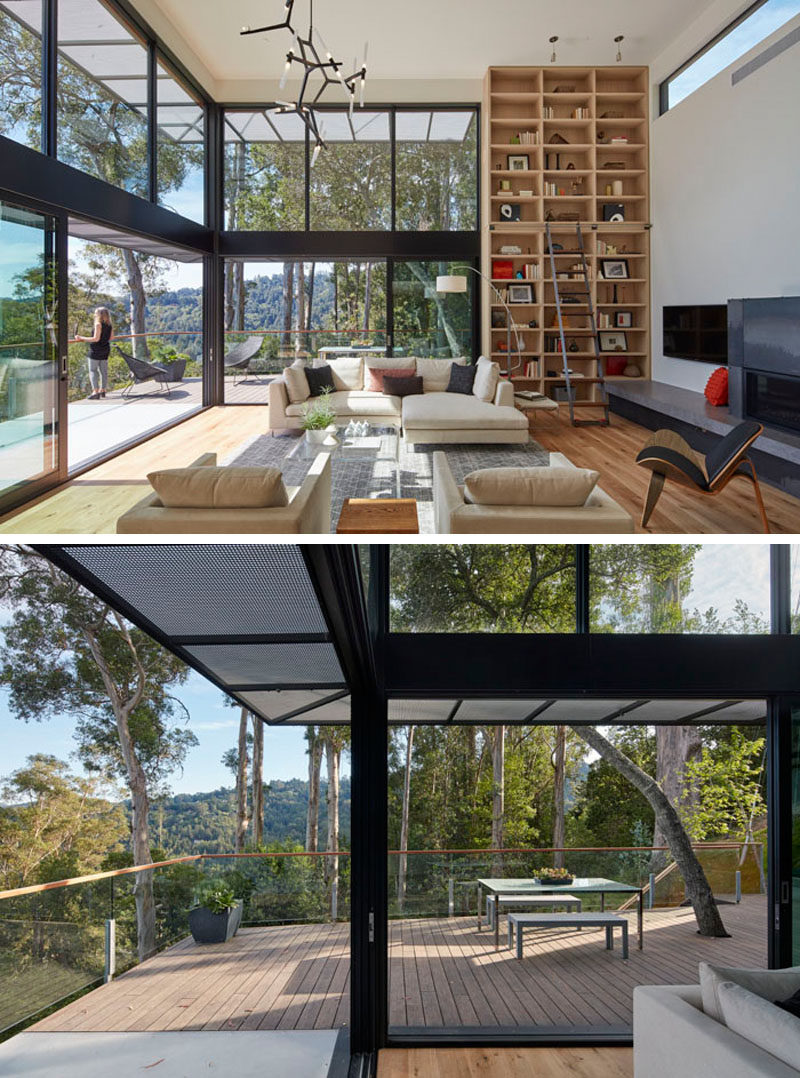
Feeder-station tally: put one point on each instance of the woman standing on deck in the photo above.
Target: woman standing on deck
(99, 348)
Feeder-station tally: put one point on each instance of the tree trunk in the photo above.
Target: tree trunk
(314, 767)
(332, 756)
(242, 821)
(258, 781)
(367, 297)
(301, 307)
(402, 870)
(133, 273)
(559, 768)
(310, 298)
(709, 922)
(496, 736)
(288, 307)
(675, 747)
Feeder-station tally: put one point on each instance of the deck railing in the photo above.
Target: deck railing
(61, 937)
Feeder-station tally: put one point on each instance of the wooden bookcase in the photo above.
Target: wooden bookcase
(602, 114)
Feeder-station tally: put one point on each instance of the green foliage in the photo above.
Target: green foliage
(319, 415)
(608, 811)
(724, 788)
(215, 897)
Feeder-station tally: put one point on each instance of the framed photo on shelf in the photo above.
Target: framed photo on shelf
(623, 319)
(499, 319)
(518, 162)
(614, 269)
(611, 341)
(520, 293)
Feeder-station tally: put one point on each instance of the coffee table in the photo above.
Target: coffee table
(378, 443)
(387, 516)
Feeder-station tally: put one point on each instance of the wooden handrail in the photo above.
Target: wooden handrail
(56, 884)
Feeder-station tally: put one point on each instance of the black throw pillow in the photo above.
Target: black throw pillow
(462, 378)
(792, 1004)
(402, 387)
(319, 378)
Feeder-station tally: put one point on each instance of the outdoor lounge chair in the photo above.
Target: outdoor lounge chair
(144, 371)
(667, 455)
(239, 357)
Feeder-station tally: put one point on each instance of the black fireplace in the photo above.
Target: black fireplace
(764, 360)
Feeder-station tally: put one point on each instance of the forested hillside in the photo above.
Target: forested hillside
(205, 822)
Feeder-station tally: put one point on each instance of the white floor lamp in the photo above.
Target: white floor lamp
(458, 283)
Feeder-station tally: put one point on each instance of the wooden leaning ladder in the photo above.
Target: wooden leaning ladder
(599, 379)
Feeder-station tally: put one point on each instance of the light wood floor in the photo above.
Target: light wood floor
(443, 974)
(92, 503)
(505, 1063)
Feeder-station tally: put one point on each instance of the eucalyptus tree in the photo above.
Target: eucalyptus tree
(66, 651)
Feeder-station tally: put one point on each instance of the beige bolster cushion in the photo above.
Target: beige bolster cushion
(220, 488)
(530, 486)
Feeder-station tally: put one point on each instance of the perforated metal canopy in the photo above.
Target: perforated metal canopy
(583, 711)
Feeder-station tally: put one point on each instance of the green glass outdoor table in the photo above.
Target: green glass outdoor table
(587, 885)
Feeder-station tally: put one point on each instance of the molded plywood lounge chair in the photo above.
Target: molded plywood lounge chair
(239, 357)
(144, 371)
(667, 455)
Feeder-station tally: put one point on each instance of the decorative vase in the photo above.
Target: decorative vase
(319, 437)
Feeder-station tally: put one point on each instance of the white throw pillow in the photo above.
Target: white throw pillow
(436, 373)
(296, 383)
(760, 1022)
(767, 983)
(530, 486)
(236, 487)
(487, 375)
(348, 372)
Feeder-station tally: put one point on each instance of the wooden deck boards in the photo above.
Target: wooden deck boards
(442, 974)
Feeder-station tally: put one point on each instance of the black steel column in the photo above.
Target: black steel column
(49, 76)
(214, 291)
(780, 573)
(582, 586)
(152, 123)
(779, 776)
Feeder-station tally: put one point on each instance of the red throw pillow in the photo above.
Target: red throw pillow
(717, 387)
(375, 376)
(616, 364)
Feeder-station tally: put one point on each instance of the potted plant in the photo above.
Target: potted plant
(553, 875)
(319, 419)
(216, 915)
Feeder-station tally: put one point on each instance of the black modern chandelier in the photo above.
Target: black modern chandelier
(308, 52)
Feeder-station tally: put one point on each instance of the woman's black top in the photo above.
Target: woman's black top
(100, 349)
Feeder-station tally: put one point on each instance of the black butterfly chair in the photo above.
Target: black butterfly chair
(667, 455)
(144, 371)
(240, 356)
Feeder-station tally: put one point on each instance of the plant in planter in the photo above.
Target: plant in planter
(553, 875)
(216, 915)
(319, 419)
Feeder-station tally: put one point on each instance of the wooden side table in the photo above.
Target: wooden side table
(386, 516)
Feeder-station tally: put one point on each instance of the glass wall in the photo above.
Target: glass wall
(795, 587)
(265, 160)
(102, 96)
(180, 120)
(21, 71)
(426, 322)
(436, 170)
(28, 348)
(350, 184)
(680, 588)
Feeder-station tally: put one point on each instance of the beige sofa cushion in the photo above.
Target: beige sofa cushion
(219, 488)
(767, 983)
(357, 402)
(760, 1022)
(530, 486)
(348, 372)
(487, 375)
(383, 363)
(436, 373)
(297, 388)
(458, 411)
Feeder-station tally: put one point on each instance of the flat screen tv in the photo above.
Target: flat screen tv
(698, 332)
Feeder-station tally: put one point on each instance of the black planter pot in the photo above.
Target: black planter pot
(208, 927)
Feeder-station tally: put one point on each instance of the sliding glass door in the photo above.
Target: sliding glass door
(29, 372)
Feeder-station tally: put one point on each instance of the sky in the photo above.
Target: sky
(723, 573)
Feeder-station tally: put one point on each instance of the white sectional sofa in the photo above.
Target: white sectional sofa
(432, 416)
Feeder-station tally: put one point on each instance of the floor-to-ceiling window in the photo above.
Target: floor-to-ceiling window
(21, 64)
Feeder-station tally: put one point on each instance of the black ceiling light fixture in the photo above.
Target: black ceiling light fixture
(308, 53)
(618, 42)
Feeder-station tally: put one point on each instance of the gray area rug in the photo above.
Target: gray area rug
(376, 478)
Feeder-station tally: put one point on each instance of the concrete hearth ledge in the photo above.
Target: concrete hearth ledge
(247, 1054)
(690, 407)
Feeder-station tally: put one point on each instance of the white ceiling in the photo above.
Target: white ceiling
(423, 39)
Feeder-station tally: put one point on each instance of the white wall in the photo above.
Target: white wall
(725, 193)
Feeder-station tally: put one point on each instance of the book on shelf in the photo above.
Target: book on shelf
(532, 271)
(528, 138)
(580, 113)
